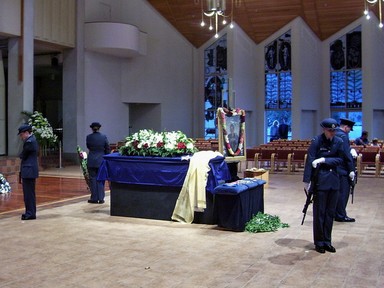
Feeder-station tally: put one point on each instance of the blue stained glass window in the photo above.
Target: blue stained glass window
(278, 76)
(278, 86)
(338, 97)
(285, 90)
(215, 84)
(354, 89)
(346, 81)
(271, 91)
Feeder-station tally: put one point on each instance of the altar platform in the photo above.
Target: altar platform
(148, 187)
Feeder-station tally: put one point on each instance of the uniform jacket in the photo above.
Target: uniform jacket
(29, 167)
(98, 146)
(348, 165)
(333, 152)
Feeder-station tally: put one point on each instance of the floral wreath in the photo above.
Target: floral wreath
(221, 113)
(83, 164)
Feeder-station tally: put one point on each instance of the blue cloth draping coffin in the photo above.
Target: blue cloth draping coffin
(157, 171)
(148, 187)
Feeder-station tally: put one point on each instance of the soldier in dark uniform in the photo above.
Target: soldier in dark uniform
(346, 172)
(29, 170)
(98, 146)
(325, 153)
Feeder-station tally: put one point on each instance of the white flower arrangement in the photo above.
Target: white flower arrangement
(41, 128)
(163, 144)
(4, 185)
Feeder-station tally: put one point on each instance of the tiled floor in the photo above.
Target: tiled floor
(80, 245)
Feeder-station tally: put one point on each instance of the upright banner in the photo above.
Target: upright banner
(3, 136)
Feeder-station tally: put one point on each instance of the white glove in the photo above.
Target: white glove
(307, 186)
(318, 161)
(353, 153)
(352, 176)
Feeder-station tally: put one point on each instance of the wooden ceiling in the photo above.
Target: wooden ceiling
(260, 19)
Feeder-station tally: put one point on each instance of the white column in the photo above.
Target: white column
(20, 80)
(2, 108)
(28, 54)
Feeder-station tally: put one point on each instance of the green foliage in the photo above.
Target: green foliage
(264, 223)
(83, 156)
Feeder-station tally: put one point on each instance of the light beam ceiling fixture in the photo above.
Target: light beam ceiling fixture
(216, 9)
(368, 4)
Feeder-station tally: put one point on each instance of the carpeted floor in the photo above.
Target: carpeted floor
(76, 244)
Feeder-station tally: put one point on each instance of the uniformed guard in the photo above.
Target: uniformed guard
(98, 145)
(324, 154)
(29, 170)
(346, 172)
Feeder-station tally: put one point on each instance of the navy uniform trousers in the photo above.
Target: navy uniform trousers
(29, 196)
(341, 211)
(97, 187)
(324, 209)
(344, 170)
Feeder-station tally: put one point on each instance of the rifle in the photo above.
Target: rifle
(311, 193)
(353, 184)
(309, 200)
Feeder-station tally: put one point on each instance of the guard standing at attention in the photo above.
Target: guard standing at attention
(346, 172)
(29, 170)
(325, 153)
(98, 146)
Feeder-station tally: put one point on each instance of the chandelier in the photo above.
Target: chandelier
(216, 9)
(371, 3)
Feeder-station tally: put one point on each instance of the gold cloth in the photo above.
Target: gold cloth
(192, 194)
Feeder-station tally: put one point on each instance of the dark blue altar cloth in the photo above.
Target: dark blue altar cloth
(157, 171)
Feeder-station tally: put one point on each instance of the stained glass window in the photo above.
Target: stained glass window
(346, 80)
(278, 87)
(346, 75)
(215, 84)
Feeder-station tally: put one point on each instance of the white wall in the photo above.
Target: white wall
(242, 68)
(163, 76)
(307, 82)
(373, 84)
(102, 96)
(10, 17)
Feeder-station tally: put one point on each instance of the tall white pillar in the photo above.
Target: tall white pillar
(20, 80)
(2, 108)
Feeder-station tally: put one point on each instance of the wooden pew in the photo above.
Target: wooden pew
(298, 158)
(284, 157)
(368, 157)
(267, 156)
